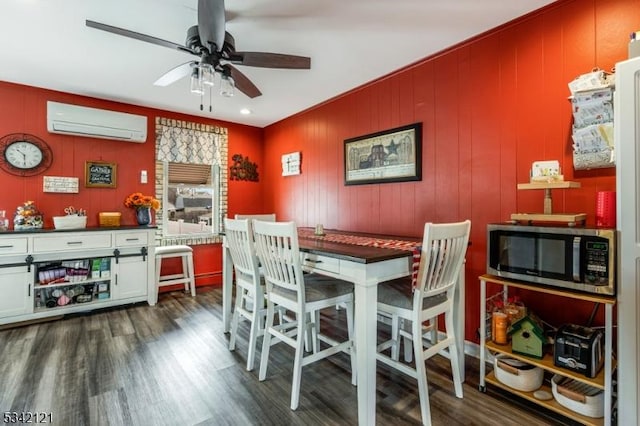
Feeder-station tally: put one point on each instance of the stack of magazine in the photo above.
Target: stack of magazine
(592, 107)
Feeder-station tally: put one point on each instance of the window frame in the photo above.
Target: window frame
(219, 182)
(215, 203)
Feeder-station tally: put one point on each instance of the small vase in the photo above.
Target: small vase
(143, 215)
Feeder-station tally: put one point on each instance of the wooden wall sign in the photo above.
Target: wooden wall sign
(243, 169)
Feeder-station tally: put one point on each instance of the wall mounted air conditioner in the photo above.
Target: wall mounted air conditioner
(95, 123)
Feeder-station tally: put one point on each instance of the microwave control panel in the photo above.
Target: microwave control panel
(597, 262)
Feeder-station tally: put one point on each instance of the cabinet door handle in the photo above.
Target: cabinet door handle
(29, 291)
(133, 239)
(70, 243)
(6, 247)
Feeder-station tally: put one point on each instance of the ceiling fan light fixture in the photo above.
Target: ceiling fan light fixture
(227, 86)
(196, 81)
(208, 74)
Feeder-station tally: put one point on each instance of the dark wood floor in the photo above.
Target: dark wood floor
(169, 365)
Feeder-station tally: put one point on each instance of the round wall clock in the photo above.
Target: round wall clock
(24, 155)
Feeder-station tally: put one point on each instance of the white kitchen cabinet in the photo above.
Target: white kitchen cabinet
(15, 292)
(47, 273)
(130, 280)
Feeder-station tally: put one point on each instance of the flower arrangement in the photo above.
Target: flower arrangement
(138, 200)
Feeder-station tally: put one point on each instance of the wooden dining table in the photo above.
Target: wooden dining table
(365, 266)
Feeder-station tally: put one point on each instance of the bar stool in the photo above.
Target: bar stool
(187, 275)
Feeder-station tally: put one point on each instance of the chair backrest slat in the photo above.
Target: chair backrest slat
(241, 247)
(279, 253)
(443, 250)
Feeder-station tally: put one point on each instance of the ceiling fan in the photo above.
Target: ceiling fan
(216, 49)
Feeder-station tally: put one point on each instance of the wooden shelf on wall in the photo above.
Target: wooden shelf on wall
(549, 185)
(548, 216)
(570, 218)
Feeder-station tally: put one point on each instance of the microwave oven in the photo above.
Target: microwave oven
(582, 259)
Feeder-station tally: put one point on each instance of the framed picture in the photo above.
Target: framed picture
(393, 155)
(100, 174)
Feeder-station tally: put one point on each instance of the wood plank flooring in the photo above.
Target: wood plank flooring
(169, 365)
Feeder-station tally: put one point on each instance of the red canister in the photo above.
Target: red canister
(606, 209)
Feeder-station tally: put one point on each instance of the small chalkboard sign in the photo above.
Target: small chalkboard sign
(100, 174)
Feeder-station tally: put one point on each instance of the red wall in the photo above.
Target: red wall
(489, 107)
(23, 110)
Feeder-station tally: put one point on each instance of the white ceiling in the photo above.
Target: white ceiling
(45, 43)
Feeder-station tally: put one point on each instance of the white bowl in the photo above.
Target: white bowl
(72, 221)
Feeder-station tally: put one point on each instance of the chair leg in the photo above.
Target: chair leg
(395, 332)
(253, 335)
(297, 364)
(421, 372)
(407, 344)
(311, 333)
(453, 353)
(185, 272)
(235, 318)
(192, 276)
(281, 316)
(266, 342)
(433, 322)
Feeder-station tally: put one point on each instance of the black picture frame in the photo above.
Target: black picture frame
(100, 174)
(393, 155)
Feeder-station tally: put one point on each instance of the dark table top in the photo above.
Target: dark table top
(353, 252)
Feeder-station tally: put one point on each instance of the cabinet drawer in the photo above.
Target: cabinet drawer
(321, 263)
(71, 242)
(13, 246)
(131, 239)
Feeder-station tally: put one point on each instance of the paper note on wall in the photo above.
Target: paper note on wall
(60, 184)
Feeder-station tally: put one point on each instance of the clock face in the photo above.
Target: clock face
(24, 155)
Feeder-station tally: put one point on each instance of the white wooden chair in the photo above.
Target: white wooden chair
(301, 294)
(249, 292)
(443, 250)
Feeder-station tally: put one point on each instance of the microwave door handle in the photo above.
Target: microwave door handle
(576, 259)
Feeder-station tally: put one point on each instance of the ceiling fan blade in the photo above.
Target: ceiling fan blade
(270, 60)
(137, 36)
(242, 81)
(175, 74)
(211, 24)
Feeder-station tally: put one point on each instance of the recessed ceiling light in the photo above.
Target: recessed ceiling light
(245, 111)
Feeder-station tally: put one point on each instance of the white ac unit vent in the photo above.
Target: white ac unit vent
(95, 123)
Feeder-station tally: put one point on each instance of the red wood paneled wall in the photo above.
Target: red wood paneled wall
(489, 107)
(23, 110)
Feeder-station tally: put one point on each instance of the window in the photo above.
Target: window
(191, 199)
(190, 181)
